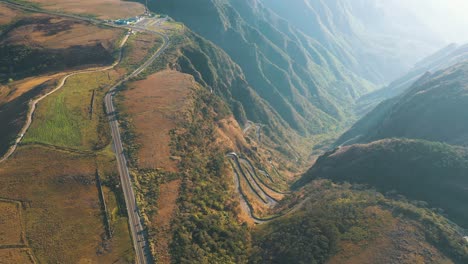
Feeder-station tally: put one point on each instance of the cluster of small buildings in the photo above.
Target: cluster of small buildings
(128, 21)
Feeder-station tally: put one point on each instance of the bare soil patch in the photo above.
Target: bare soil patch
(104, 9)
(230, 135)
(155, 105)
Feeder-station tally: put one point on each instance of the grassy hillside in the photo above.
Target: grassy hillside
(66, 215)
(41, 44)
(60, 214)
(434, 109)
(306, 85)
(212, 68)
(202, 225)
(432, 172)
(343, 224)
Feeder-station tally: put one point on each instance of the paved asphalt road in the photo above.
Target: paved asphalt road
(140, 242)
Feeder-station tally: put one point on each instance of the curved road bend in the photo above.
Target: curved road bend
(140, 243)
(255, 190)
(249, 163)
(245, 204)
(271, 200)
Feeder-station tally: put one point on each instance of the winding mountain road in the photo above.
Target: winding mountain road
(244, 200)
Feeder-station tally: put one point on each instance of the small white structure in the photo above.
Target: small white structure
(466, 238)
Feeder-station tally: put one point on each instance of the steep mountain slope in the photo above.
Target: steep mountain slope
(177, 122)
(308, 86)
(342, 223)
(379, 40)
(432, 172)
(434, 108)
(211, 67)
(444, 58)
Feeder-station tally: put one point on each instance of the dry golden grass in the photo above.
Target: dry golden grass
(15, 256)
(154, 106)
(14, 90)
(104, 9)
(7, 15)
(168, 194)
(230, 134)
(63, 217)
(58, 33)
(138, 48)
(11, 223)
(4, 93)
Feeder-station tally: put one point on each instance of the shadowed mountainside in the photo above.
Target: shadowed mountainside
(378, 41)
(306, 84)
(444, 58)
(434, 109)
(432, 172)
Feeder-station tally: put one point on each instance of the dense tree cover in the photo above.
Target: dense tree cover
(433, 172)
(205, 227)
(313, 234)
(298, 239)
(348, 214)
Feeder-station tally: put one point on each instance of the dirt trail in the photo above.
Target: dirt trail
(33, 103)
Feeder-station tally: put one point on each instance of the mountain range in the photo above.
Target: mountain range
(230, 131)
(433, 108)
